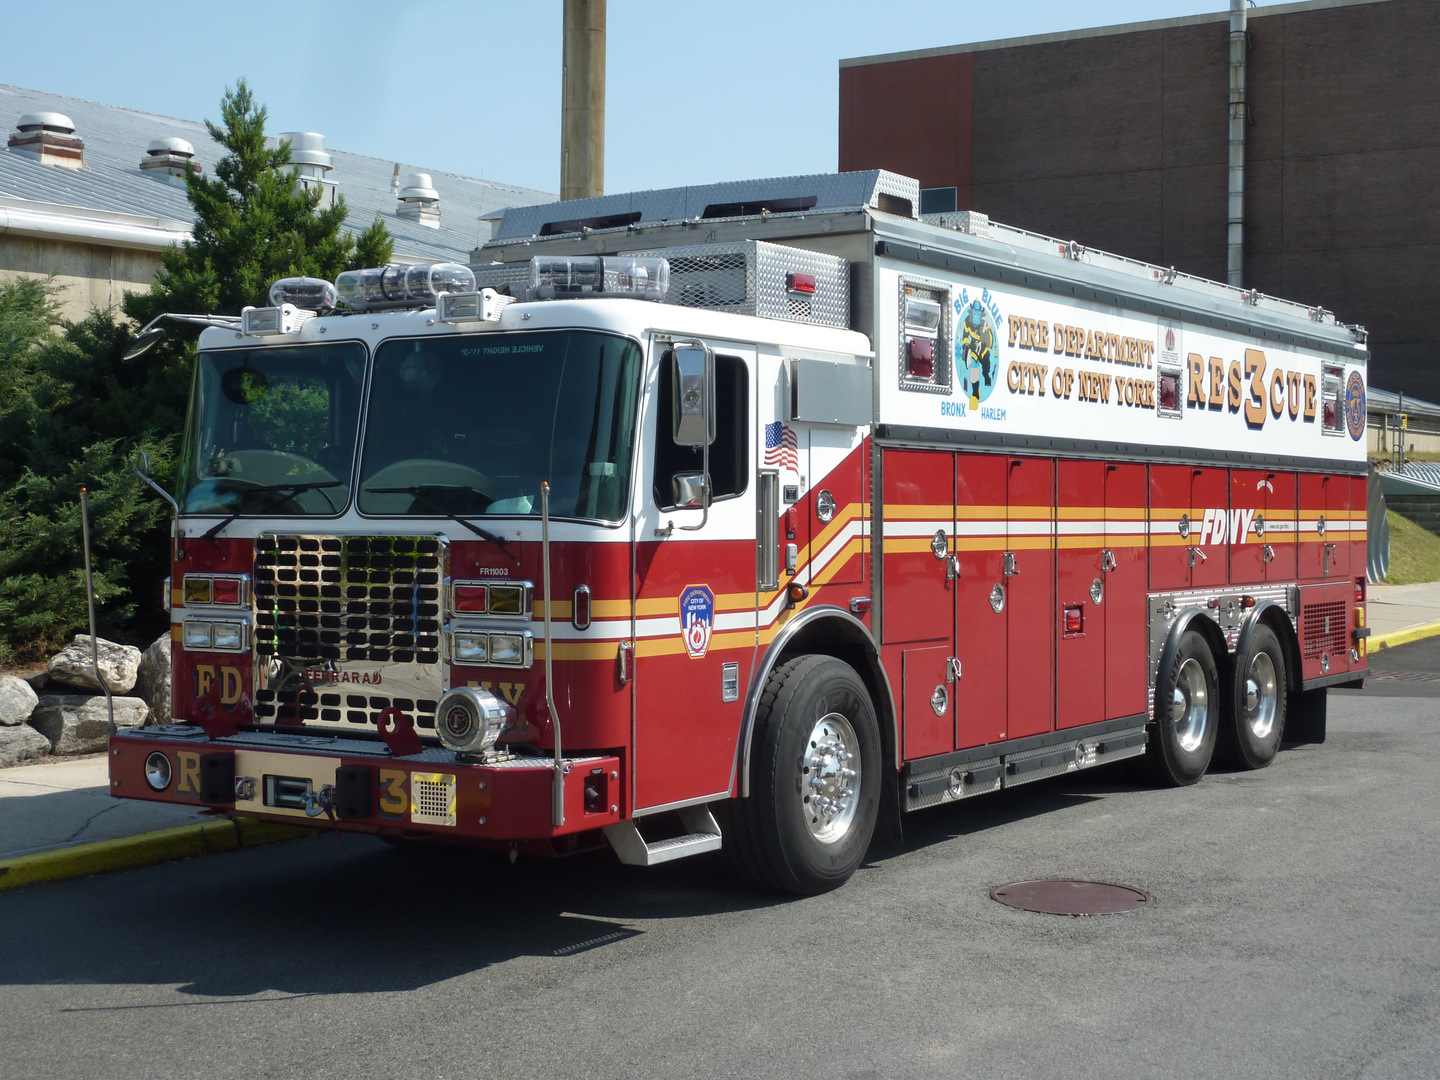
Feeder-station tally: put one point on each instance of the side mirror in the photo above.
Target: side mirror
(143, 343)
(689, 490)
(693, 407)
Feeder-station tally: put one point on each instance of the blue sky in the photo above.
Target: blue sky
(697, 91)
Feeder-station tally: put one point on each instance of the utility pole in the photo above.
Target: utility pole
(582, 104)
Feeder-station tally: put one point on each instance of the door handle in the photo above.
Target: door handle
(1194, 551)
(952, 568)
(1107, 561)
(1268, 555)
(1010, 568)
(952, 669)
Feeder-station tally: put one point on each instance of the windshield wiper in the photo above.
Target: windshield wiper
(420, 491)
(277, 489)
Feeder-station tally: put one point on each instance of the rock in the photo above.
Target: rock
(118, 665)
(38, 680)
(22, 744)
(153, 681)
(80, 723)
(17, 700)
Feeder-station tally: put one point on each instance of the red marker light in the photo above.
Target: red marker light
(800, 283)
(1359, 590)
(470, 598)
(1074, 620)
(922, 358)
(227, 591)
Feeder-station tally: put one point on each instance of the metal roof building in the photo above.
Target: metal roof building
(93, 193)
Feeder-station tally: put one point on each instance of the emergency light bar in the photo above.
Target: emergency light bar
(563, 277)
(382, 287)
(306, 293)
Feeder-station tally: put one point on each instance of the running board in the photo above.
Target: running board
(634, 850)
(931, 786)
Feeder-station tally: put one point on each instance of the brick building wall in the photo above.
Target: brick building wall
(1117, 138)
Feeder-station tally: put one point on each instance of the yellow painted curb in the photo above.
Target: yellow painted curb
(1402, 637)
(83, 860)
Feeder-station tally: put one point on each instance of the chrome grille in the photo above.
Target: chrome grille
(348, 598)
(326, 707)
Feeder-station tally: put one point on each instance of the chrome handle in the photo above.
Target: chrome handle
(952, 568)
(1194, 551)
(1010, 568)
(1268, 555)
(1107, 561)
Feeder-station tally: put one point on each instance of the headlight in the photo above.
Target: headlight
(198, 633)
(469, 720)
(157, 771)
(229, 636)
(507, 649)
(470, 648)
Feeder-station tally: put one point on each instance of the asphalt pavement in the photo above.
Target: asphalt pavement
(1293, 933)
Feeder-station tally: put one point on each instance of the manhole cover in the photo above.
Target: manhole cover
(1070, 897)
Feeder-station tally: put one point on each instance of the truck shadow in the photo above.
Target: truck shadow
(311, 916)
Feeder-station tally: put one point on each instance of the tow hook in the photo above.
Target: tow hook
(320, 802)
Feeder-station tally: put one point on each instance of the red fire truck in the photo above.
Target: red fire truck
(768, 502)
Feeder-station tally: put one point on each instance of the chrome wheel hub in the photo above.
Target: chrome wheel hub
(1262, 695)
(830, 778)
(1190, 706)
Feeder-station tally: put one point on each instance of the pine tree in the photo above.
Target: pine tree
(254, 223)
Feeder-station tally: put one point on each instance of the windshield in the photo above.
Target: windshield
(471, 426)
(272, 431)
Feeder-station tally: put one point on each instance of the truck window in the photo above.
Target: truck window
(729, 453)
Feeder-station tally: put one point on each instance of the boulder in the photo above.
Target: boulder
(17, 700)
(80, 723)
(22, 744)
(119, 665)
(152, 684)
(38, 680)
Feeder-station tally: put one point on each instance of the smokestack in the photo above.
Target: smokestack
(1235, 226)
(582, 104)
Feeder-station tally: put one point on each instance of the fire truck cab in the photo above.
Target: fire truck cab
(746, 518)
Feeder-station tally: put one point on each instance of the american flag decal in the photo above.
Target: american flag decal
(780, 447)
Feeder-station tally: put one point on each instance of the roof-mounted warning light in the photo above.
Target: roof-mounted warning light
(416, 286)
(563, 277)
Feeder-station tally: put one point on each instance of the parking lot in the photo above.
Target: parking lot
(1293, 932)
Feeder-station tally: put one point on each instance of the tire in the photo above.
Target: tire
(1184, 735)
(1255, 721)
(807, 824)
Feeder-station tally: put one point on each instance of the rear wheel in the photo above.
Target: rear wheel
(815, 780)
(1257, 701)
(1186, 713)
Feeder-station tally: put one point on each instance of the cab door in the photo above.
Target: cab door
(695, 589)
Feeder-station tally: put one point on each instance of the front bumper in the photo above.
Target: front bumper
(358, 785)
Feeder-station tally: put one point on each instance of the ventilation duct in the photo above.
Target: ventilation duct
(49, 136)
(169, 160)
(419, 201)
(311, 162)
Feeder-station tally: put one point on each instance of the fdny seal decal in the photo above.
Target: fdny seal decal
(697, 619)
(1355, 406)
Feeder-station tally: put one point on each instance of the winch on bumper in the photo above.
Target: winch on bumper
(360, 785)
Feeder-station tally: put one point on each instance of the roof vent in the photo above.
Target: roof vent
(310, 161)
(419, 201)
(51, 137)
(169, 160)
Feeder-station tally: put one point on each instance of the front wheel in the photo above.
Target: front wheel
(815, 780)
(1257, 701)
(1186, 713)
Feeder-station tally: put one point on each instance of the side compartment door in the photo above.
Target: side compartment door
(1030, 581)
(981, 638)
(1172, 529)
(1080, 571)
(1127, 654)
(919, 593)
(1279, 530)
(1324, 539)
(1210, 502)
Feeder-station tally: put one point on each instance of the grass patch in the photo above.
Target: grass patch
(1414, 552)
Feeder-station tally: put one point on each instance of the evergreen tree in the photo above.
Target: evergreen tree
(254, 223)
(72, 415)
